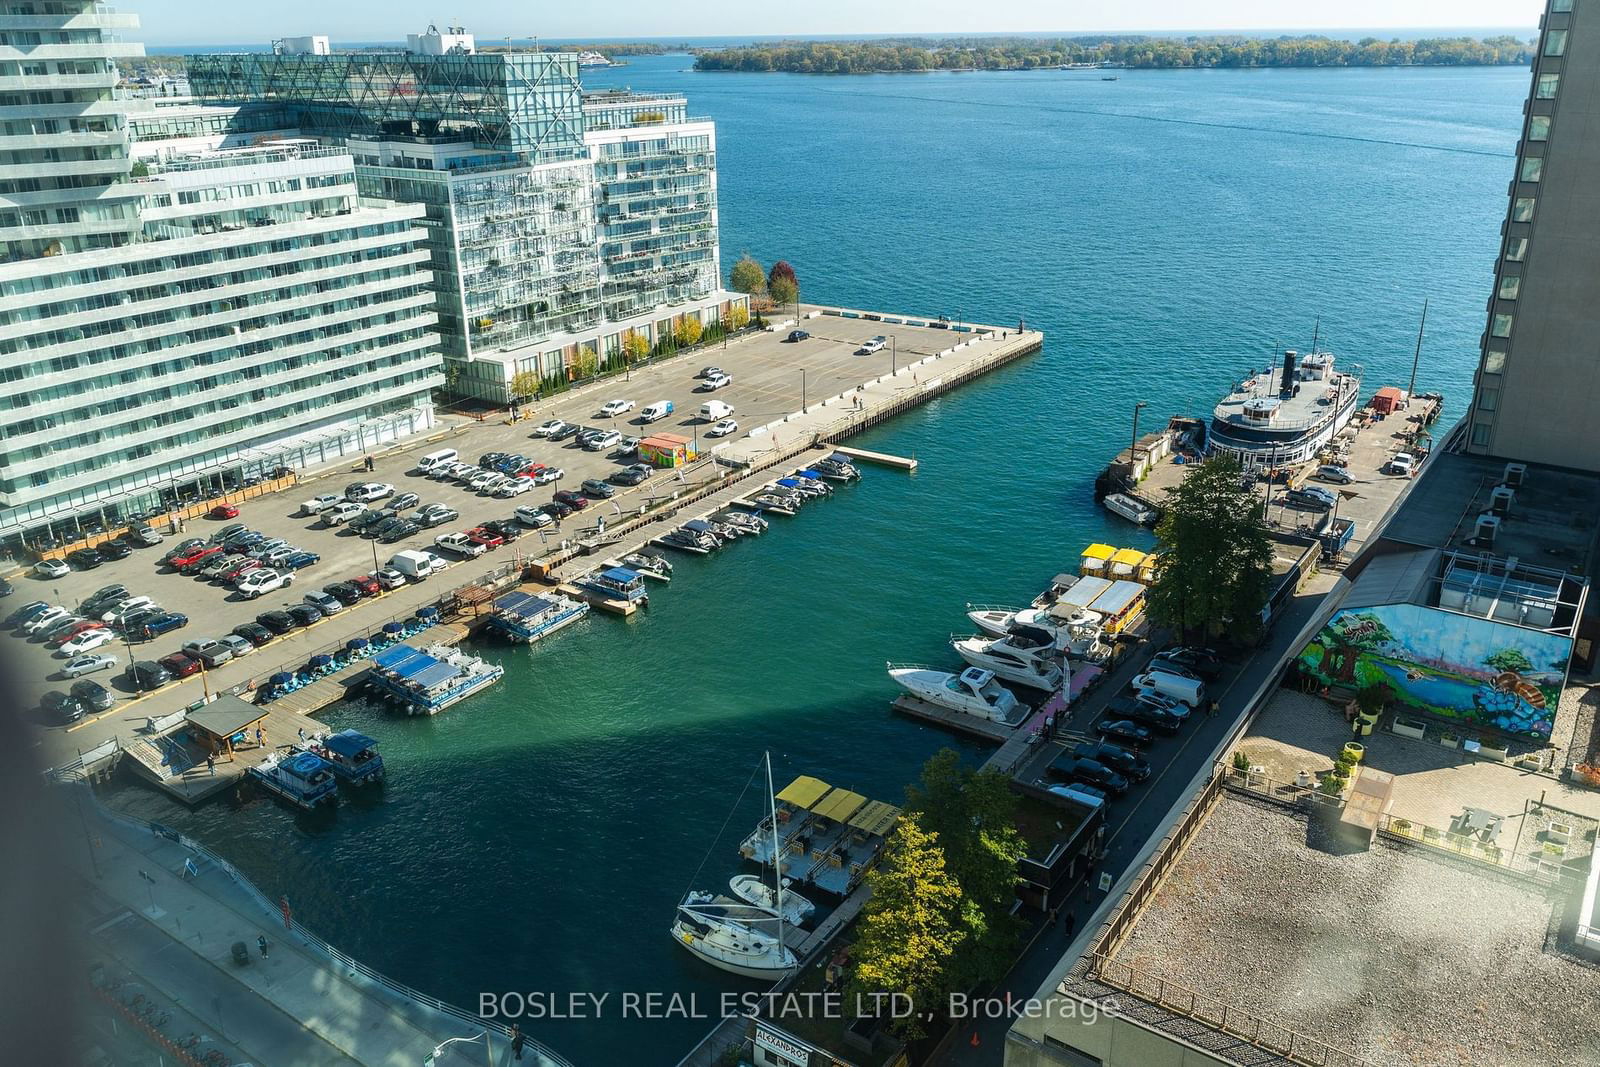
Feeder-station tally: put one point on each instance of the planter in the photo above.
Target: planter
(1449, 740)
(1355, 750)
(1493, 753)
(1409, 728)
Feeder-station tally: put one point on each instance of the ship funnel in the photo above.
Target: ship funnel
(1287, 388)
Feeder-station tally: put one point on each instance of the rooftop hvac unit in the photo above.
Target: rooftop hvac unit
(1487, 529)
(1500, 498)
(1515, 472)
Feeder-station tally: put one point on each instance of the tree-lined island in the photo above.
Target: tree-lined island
(1024, 53)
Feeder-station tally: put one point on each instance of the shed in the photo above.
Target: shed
(666, 450)
(217, 724)
(1388, 399)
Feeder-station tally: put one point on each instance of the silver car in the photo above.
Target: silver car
(88, 663)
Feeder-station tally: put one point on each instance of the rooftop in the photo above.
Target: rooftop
(1295, 396)
(1390, 955)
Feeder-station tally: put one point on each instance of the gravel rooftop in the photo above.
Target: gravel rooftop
(1391, 955)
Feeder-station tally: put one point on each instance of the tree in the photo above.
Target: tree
(783, 291)
(1509, 659)
(747, 277)
(908, 931)
(1216, 562)
(635, 346)
(586, 365)
(738, 316)
(781, 271)
(524, 384)
(1345, 639)
(687, 330)
(973, 815)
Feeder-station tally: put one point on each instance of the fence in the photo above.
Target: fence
(315, 943)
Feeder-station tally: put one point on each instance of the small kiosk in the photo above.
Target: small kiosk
(1095, 560)
(223, 724)
(666, 450)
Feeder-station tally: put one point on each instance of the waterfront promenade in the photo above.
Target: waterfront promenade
(154, 925)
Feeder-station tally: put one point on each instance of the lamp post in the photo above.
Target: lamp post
(894, 354)
(802, 390)
(1133, 445)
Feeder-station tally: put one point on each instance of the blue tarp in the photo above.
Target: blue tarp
(303, 764)
(435, 674)
(349, 743)
(390, 656)
(620, 575)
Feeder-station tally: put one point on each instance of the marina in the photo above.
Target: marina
(426, 681)
(527, 618)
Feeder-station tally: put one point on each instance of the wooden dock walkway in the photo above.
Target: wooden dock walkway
(194, 782)
(983, 729)
(841, 917)
(881, 458)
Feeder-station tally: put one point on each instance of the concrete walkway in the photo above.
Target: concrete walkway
(175, 933)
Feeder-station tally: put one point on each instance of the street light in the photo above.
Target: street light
(1133, 445)
(894, 355)
(802, 390)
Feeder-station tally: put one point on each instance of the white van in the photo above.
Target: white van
(657, 411)
(1190, 691)
(712, 410)
(414, 565)
(443, 457)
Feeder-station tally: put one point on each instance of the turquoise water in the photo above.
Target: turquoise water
(1166, 230)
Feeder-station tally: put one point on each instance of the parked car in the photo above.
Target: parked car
(1120, 760)
(602, 440)
(567, 430)
(389, 578)
(68, 626)
(88, 664)
(367, 585)
(92, 695)
(436, 515)
(706, 372)
(797, 335)
(103, 598)
(145, 675)
(221, 535)
(460, 544)
(482, 535)
(111, 551)
(119, 609)
(1073, 769)
(573, 500)
(211, 653)
(62, 708)
(1202, 662)
(714, 382)
(304, 614)
(193, 558)
(183, 548)
(594, 488)
(260, 581)
(612, 408)
(44, 619)
(369, 491)
(548, 475)
(320, 503)
(723, 428)
(628, 446)
(241, 567)
(164, 623)
(1145, 713)
(276, 622)
(876, 344)
(276, 556)
(530, 515)
(556, 509)
(345, 593)
(241, 543)
(254, 632)
(342, 513)
(490, 460)
(85, 559)
(86, 641)
(548, 428)
(26, 612)
(180, 664)
(51, 568)
(143, 535)
(210, 568)
(400, 531)
(236, 645)
(301, 560)
(515, 486)
(507, 530)
(1332, 472)
(224, 511)
(634, 475)
(132, 624)
(657, 411)
(1401, 463)
(1311, 496)
(1123, 730)
(405, 501)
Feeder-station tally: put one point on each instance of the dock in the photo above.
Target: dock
(181, 772)
(332, 688)
(595, 600)
(882, 459)
(984, 729)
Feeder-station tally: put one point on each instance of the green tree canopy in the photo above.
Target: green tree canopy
(908, 930)
(783, 291)
(747, 277)
(1216, 562)
(586, 365)
(973, 815)
(635, 346)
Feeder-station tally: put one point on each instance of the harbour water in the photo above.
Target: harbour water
(1165, 230)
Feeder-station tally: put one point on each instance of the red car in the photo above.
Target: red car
(225, 511)
(482, 535)
(74, 630)
(573, 500)
(180, 664)
(531, 470)
(238, 570)
(195, 555)
(368, 585)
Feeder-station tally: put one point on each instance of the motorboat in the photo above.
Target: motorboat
(616, 583)
(837, 468)
(527, 617)
(1026, 656)
(752, 890)
(723, 530)
(974, 691)
(304, 779)
(744, 521)
(805, 486)
(728, 934)
(689, 540)
(427, 681)
(350, 754)
(1133, 510)
(705, 528)
(808, 476)
(1077, 631)
(773, 502)
(648, 564)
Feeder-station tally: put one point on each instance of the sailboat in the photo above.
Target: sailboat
(726, 936)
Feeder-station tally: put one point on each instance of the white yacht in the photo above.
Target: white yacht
(1027, 656)
(974, 691)
(1077, 631)
(752, 890)
(1131, 509)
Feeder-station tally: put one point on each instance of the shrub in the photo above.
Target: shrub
(1330, 786)
(1241, 762)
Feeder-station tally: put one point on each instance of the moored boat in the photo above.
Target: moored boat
(752, 890)
(1025, 656)
(649, 564)
(974, 691)
(427, 681)
(352, 755)
(304, 779)
(1133, 510)
(527, 618)
(616, 583)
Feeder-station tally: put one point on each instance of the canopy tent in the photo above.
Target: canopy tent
(875, 817)
(1126, 562)
(1117, 598)
(620, 575)
(804, 791)
(1084, 591)
(839, 805)
(348, 743)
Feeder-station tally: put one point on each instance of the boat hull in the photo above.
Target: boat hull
(1048, 682)
(760, 973)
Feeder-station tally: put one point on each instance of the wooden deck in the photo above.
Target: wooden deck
(195, 782)
(983, 729)
(333, 688)
(883, 459)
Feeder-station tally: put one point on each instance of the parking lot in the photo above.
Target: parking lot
(770, 378)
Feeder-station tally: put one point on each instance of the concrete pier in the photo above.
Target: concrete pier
(883, 459)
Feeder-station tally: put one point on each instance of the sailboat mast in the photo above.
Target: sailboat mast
(1316, 332)
(777, 853)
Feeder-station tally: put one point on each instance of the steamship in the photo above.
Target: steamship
(1280, 418)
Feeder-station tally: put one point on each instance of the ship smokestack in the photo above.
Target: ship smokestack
(1286, 390)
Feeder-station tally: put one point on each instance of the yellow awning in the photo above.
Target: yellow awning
(875, 817)
(1130, 556)
(839, 805)
(804, 791)
(1099, 552)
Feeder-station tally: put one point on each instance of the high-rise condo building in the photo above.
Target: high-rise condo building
(559, 222)
(174, 322)
(1537, 387)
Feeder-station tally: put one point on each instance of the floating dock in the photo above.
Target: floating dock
(985, 729)
(882, 459)
(590, 597)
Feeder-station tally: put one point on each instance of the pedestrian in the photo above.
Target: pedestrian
(261, 738)
(261, 943)
(1070, 924)
(1054, 911)
(301, 732)
(517, 1041)
(1213, 707)
(211, 763)
(1049, 725)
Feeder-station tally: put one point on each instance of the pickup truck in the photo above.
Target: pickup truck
(192, 558)
(212, 653)
(460, 544)
(318, 504)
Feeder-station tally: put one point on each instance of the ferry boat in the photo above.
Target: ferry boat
(304, 779)
(352, 755)
(1283, 418)
(426, 681)
(528, 618)
(616, 583)
(1133, 510)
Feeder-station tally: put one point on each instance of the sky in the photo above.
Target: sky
(352, 21)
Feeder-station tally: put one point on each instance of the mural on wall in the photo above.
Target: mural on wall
(1481, 672)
